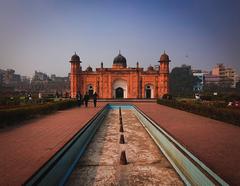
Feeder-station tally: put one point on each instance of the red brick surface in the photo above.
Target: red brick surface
(215, 143)
(26, 147)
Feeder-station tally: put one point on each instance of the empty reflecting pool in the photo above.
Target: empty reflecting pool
(145, 164)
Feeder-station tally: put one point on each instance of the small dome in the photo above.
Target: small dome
(75, 58)
(164, 58)
(120, 60)
(150, 68)
(89, 69)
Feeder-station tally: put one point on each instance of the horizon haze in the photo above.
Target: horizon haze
(43, 35)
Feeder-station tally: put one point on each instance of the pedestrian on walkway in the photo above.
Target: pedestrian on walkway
(79, 99)
(40, 97)
(95, 99)
(86, 99)
(30, 97)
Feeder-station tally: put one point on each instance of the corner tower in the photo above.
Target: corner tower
(74, 75)
(164, 74)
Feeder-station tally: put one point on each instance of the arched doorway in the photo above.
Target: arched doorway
(119, 93)
(119, 88)
(148, 91)
(90, 90)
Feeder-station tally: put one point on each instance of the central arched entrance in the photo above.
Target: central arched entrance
(90, 90)
(119, 89)
(148, 91)
(119, 93)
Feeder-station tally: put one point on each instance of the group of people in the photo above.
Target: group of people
(85, 99)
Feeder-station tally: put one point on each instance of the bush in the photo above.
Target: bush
(232, 97)
(208, 110)
(11, 116)
(167, 96)
(206, 97)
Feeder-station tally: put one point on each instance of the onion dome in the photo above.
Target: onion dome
(89, 69)
(164, 58)
(150, 68)
(120, 61)
(75, 58)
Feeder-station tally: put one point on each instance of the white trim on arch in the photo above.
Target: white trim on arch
(147, 87)
(122, 84)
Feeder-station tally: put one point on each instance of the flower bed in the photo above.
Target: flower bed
(211, 111)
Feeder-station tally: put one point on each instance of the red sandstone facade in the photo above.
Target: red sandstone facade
(120, 81)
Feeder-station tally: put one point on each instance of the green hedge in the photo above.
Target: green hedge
(218, 113)
(11, 116)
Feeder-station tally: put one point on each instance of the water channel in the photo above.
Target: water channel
(145, 164)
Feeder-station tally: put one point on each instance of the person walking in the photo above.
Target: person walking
(86, 99)
(40, 97)
(79, 99)
(95, 99)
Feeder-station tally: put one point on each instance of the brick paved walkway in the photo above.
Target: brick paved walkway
(26, 147)
(215, 143)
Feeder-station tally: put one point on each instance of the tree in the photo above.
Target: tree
(238, 86)
(182, 81)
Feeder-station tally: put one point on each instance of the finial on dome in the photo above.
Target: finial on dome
(75, 53)
(164, 57)
(164, 52)
(75, 58)
(119, 52)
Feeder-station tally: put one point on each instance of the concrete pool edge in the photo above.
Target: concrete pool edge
(39, 176)
(198, 164)
(97, 119)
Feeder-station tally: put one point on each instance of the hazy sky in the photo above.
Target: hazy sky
(43, 34)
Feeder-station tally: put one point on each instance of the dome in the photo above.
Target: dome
(150, 68)
(89, 69)
(120, 60)
(164, 58)
(75, 58)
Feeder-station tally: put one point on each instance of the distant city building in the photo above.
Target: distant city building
(210, 79)
(13, 82)
(10, 78)
(228, 76)
(198, 86)
(40, 76)
(59, 79)
(41, 82)
(1, 76)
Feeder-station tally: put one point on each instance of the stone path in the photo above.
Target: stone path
(215, 143)
(100, 164)
(26, 147)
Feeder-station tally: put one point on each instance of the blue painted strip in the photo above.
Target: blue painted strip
(116, 107)
(57, 167)
(81, 152)
(64, 162)
(166, 146)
